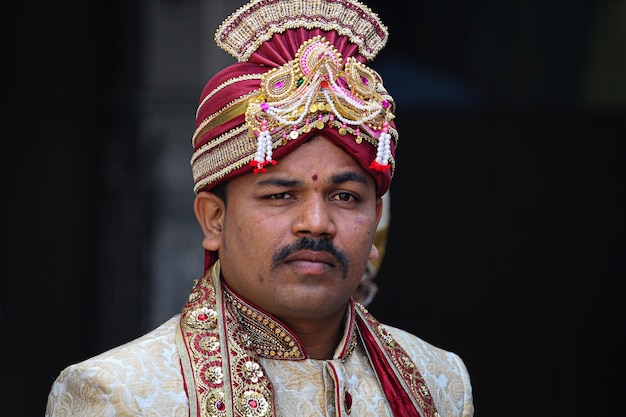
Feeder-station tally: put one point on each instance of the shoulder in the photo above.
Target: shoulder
(419, 348)
(156, 348)
(141, 375)
(444, 371)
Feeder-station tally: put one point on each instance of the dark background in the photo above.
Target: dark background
(506, 242)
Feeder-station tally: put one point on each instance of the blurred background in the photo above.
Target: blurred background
(507, 233)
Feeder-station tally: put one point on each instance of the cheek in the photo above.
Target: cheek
(250, 231)
(360, 237)
(242, 228)
(364, 228)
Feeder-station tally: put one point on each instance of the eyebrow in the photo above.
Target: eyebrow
(348, 177)
(335, 180)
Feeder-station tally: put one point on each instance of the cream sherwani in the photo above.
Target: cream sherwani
(150, 377)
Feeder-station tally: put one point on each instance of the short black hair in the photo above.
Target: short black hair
(220, 191)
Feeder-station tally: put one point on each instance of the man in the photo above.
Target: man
(293, 150)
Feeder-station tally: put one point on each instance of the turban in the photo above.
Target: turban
(301, 70)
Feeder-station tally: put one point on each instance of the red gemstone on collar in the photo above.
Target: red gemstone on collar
(348, 401)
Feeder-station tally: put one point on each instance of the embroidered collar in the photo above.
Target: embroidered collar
(271, 339)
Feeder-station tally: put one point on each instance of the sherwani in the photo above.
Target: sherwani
(223, 357)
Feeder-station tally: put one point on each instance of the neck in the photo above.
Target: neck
(320, 337)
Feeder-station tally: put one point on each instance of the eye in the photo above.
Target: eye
(278, 196)
(344, 196)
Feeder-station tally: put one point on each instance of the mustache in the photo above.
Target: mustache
(314, 245)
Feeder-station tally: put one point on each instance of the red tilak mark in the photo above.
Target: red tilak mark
(314, 177)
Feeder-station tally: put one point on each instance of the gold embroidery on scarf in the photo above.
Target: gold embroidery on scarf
(403, 364)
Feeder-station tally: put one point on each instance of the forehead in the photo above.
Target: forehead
(318, 151)
(318, 160)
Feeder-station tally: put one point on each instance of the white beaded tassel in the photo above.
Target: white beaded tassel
(264, 149)
(383, 151)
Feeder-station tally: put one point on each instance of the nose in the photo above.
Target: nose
(315, 218)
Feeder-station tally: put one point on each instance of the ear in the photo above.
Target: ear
(374, 252)
(380, 205)
(209, 209)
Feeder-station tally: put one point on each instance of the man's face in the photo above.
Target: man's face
(296, 239)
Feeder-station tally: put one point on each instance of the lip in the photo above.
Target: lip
(309, 262)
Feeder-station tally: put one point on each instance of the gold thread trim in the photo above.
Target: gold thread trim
(229, 112)
(235, 149)
(245, 77)
(243, 32)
